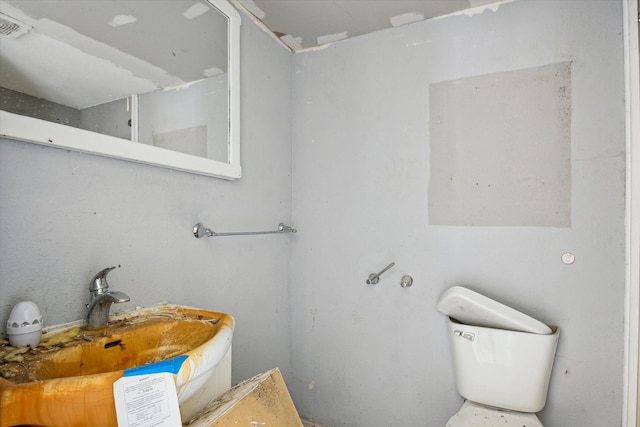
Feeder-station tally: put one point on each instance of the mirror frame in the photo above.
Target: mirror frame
(37, 131)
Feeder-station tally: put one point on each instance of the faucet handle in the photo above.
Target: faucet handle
(98, 284)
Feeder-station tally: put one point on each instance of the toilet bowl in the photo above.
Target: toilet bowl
(502, 360)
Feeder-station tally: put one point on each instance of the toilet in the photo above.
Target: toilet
(502, 360)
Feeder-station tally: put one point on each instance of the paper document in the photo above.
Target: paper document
(146, 401)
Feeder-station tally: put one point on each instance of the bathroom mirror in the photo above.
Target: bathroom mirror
(150, 81)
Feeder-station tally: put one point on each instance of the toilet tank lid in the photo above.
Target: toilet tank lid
(472, 308)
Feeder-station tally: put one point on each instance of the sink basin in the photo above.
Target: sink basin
(68, 379)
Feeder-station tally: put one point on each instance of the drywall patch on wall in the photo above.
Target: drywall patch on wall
(500, 149)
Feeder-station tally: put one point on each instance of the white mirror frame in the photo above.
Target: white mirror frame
(28, 129)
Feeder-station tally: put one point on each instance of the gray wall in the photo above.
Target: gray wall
(65, 215)
(378, 355)
(110, 118)
(358, 116)
(27, 105)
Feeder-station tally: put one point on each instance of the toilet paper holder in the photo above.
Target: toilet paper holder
(374, 278)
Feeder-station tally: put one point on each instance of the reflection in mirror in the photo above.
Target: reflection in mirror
(155, 72)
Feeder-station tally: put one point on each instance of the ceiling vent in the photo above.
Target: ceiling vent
(11, 27)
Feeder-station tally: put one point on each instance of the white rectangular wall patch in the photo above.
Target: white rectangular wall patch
(500, 149)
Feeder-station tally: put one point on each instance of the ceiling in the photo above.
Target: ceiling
(136, 46)
(303, 24)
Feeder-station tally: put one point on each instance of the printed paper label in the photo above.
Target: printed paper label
(146, 401)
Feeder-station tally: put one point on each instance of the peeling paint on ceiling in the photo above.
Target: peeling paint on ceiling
(304, 24)
(196, 10)
(122, 20)
(406, 19)
(330, 38)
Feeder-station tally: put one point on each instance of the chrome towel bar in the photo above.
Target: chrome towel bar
(200, 230)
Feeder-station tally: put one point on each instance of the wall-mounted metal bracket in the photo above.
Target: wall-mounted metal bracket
(374, 278)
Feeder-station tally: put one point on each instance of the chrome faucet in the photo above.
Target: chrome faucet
(101, 300)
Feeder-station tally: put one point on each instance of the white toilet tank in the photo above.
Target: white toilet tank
(505, 369)
(496, 366)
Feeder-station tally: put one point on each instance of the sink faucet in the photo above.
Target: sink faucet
(101, 299)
